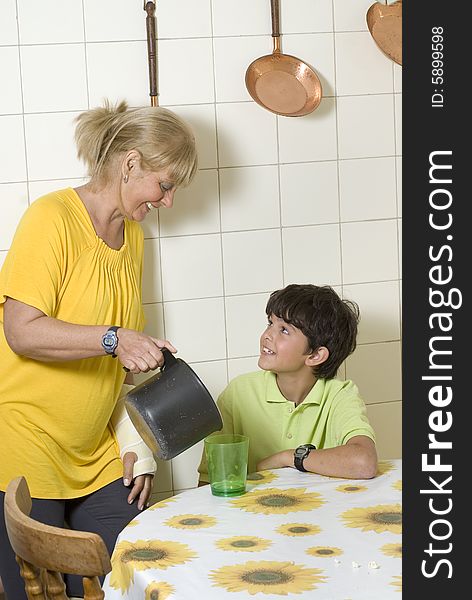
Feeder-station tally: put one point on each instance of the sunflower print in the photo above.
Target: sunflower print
(298, 529)
(243, 544)
(267, 577)
(133, 523)
(380, 518)
(261, 477)
(398, 485)
(129, 557)
(394, 550)
(351, 489)
(277, 501)
(161, 504)
(397, 582)
(384, 466)
(324, 551)
(191, 521)
(158, 590)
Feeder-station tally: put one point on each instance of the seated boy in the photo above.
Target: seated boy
(294, 411)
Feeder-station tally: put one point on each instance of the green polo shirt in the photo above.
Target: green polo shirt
(252, 405)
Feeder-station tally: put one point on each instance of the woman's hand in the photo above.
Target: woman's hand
(141, 486)
(139, 352)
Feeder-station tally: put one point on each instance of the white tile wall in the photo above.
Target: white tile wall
(10, 98)
(309, 193)
(367, 189)
(276, 200)
(249, 198)
(15, 196)
(312, 254)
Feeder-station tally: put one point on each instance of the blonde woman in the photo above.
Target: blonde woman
(72, 316)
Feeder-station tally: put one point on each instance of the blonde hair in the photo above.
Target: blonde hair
(163, 140)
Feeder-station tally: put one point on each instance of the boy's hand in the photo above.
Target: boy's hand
(276, 461)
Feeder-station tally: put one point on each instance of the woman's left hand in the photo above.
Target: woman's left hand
(141, 486)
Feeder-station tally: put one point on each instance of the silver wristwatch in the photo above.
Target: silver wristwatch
(110, 340)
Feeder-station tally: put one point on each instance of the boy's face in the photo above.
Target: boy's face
(283, 348)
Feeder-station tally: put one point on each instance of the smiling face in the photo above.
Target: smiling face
(283, 348)
(143, 190)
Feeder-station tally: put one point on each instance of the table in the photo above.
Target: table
(292, 534)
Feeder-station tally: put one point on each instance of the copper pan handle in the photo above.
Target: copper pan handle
(275, 14)
(150, 8)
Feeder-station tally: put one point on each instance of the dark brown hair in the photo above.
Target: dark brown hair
(323, 317)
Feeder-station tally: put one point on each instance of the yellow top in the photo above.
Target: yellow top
(54, 416)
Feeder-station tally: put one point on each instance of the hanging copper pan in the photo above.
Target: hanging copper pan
(150, 8)
(385, 25)
(282, 83)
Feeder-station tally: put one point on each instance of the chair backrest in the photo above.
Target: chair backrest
(44, 552)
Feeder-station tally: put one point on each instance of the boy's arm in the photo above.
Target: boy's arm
(356, 459)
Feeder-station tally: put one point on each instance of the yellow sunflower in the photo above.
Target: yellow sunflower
(398, 485)
(276, 501)
(261, 477)
(394, 550)
(129, 557)
(191, 521)
(158, 590)
(384, 466)
(244, 543)
(161, 504)
(133, 523)
(267, 577)
(398, 580)
(298, 529)
(351, 489)
(324, 551)
(383, 517)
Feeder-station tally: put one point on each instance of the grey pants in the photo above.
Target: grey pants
(105, 512)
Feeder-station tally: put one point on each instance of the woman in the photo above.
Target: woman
(70, 304)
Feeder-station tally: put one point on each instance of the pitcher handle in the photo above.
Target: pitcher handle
(169, 359)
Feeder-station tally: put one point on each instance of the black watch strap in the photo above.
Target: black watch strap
(300, 454)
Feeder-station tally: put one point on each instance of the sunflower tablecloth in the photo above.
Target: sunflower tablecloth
(292, 534)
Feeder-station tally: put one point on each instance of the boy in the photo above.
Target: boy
(293, 411)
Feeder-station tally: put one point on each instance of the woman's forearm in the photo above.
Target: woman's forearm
(31, 333)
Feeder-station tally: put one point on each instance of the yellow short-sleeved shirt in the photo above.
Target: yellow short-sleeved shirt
(252, 405)
(54, 416)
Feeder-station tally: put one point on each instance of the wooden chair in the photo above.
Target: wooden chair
(44, 552)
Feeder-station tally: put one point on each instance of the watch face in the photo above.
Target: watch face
(110, 341)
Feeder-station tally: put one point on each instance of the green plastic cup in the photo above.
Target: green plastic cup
(226, 456)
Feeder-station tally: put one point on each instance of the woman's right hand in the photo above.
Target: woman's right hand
(139, 352)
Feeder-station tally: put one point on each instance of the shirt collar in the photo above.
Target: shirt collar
(273, 393)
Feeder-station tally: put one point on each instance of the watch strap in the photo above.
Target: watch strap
(300, 454)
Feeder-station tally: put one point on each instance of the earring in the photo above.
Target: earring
(125, 178)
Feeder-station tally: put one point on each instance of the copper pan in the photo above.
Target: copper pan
(150, 8)
(385, 25)
(282, 83)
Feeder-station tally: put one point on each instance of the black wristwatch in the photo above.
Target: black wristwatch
(110, 340)
(300, 454)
